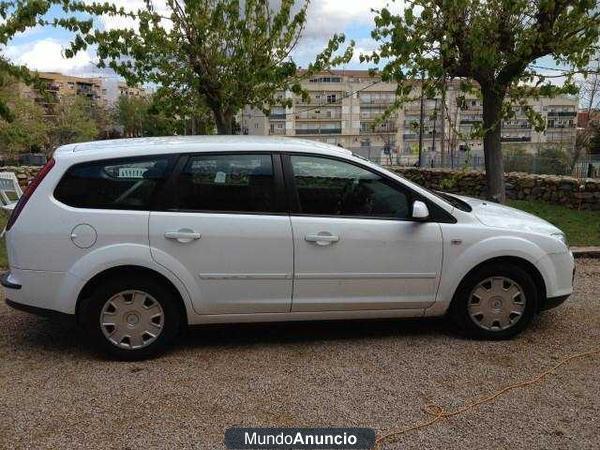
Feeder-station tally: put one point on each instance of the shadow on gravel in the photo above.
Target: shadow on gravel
(26, 333)
(30, 333)
(300, 332)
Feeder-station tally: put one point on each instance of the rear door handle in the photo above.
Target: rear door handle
(323, 238)
(183, 236)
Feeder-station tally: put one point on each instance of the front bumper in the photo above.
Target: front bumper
(553, 302)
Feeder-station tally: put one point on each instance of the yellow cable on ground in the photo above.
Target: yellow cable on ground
(439, 413)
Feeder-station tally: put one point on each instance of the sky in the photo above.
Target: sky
(42, 48)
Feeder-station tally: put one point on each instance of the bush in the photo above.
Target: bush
(552, 161)
(516, 159)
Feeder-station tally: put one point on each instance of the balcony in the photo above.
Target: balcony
(376, 101)
(562, 113)
(567, 127)
(309, 117)
(386, 127)
(277, 116)
(522, 126)
(319, 131)
(515, 139)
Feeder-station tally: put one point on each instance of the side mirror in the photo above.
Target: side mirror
(420, 211)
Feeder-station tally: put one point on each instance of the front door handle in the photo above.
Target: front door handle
(323, 238)
(183, 236)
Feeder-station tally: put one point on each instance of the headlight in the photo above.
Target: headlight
(561, 237)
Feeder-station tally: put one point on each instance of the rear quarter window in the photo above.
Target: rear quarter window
(114, 184)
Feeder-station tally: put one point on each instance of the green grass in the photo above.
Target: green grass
(581, 227)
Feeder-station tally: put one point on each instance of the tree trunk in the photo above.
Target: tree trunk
(223, 121)
(494, 163)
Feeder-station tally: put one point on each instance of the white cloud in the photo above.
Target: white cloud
(111, 22)
(46, 55)
(325, 18)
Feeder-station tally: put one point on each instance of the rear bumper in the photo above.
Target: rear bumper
(39, 290)
(63, 317)
(5, 280)
(14, 288)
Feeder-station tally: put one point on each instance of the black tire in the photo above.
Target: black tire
(459, 309)
(91, 309)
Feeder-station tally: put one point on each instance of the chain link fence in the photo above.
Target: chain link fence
(553, 163)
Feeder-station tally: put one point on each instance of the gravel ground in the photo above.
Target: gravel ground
(54, 393)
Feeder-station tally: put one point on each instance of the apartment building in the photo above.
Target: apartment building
(131, 91)
(344, 108)
(59, 86)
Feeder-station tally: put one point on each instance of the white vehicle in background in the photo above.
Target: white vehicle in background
(137, 238)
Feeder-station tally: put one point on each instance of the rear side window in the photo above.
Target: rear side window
(113, 184)
(227, 183)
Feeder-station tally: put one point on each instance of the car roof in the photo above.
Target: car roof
(192, 144)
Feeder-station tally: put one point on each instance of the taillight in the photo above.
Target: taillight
(29, 192)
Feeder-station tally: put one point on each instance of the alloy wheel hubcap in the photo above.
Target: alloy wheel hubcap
(496, 304)
(132, 319)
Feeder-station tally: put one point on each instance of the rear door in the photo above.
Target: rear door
(224, 224)
(356, 247)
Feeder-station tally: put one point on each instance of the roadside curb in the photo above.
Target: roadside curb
(586, 252)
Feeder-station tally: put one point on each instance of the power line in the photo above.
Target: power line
(565, 71)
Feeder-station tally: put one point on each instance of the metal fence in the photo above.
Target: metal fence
(586, 167)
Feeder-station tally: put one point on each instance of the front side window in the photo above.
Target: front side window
(227, 183)
(113, 184)
(336, 188)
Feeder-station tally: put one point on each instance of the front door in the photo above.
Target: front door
(225, 232)
(356, 247)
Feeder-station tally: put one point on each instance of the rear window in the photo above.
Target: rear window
(113, 184)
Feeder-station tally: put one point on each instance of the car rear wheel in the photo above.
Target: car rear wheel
(496, 301)
(131, 318)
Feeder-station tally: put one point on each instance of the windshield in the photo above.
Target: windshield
(454, 201)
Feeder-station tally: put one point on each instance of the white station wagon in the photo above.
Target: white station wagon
(136, 238)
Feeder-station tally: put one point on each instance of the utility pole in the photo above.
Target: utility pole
(443, 125)
(434, 128)
(421, 119)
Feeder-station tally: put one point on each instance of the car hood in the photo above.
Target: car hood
(500, 216)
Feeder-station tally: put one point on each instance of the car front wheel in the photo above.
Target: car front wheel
(496, 301)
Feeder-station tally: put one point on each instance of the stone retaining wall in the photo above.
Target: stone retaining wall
(567, 191)
(24, 173)
(571, 192)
